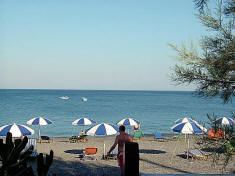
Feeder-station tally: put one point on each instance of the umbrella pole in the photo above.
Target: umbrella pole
(39, 133)
(188, 148)
(103, 157)
(104, 150)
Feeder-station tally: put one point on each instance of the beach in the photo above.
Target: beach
(155, 158)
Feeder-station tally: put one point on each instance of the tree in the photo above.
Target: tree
(213, 70)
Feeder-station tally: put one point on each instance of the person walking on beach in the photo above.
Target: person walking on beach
(120, 140)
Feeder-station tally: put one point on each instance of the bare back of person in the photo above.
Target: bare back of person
(122, 138)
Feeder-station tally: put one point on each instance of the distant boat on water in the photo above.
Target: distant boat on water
(84, 99)
(64, 97)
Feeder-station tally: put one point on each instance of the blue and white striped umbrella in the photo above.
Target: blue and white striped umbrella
(83, 121)
(128, 121)
(200, 126)
(17, 130)
(225, 121)
(185, 119)
(39, 121)
(187, 128)
(102, 129)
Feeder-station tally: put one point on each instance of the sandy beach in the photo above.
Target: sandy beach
(155, 158)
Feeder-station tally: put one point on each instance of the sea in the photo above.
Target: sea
(156, 110)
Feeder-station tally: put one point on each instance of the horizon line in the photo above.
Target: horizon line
(96, 89)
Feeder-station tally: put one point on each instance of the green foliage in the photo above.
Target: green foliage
(213, 70)
(220, 149)
(230, 145)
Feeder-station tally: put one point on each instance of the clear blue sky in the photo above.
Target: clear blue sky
(93, 44)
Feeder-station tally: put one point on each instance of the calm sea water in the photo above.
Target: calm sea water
(156, 110)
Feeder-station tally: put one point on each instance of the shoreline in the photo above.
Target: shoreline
(145, 135)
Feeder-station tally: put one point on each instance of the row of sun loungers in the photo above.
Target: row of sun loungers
(91, 152)
(45, 139)
(82, 138)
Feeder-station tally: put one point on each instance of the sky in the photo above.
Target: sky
(93, 44)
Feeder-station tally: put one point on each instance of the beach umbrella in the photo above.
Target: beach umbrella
(103, 129)
(83, 121)
(187, 128)
(225, 121)
(128, 122)
(17, 130)
(40, 121)
(200, 126)
(185, 119)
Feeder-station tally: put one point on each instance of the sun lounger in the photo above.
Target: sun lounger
(32, 142)
(158, 136)
(45, 139)
(196, 154)
(73, 139)
(112, 155)
(90, 153)
(82, 138)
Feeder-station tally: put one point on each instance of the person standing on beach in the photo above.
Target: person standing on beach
(120, 140)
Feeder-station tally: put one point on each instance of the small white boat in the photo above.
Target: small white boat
(64, 97)
(84, 99)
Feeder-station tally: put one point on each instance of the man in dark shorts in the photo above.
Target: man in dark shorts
(120, 140)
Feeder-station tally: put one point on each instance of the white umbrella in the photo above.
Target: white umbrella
(187, 128)
(225, 121)
(200, 126)
(83, 121)
(102, 129)
(185, 119)
(128, 121)
(40, 121)
(17, 130)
